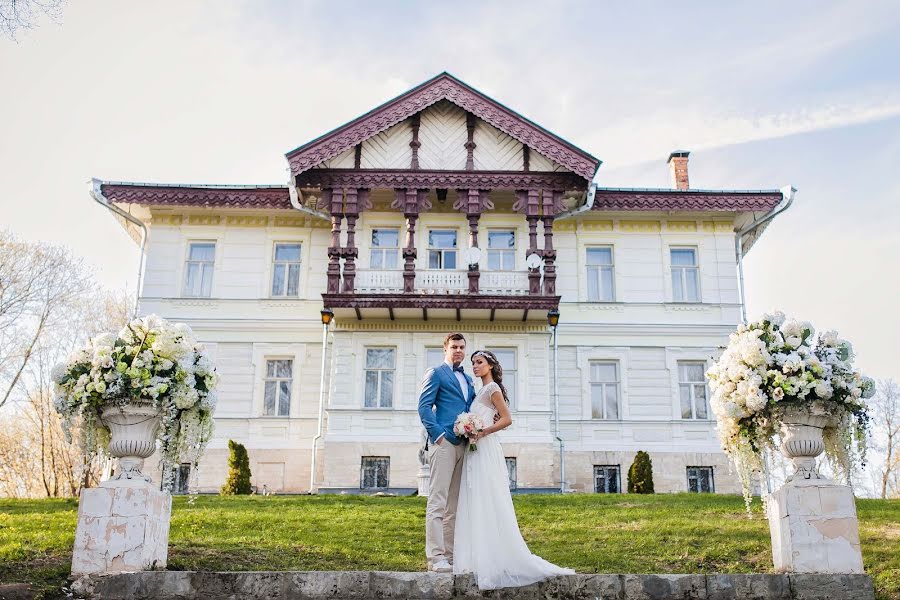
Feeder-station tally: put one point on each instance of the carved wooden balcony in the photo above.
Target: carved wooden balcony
(443, 294)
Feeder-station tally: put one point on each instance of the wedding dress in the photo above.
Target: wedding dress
(487, 538)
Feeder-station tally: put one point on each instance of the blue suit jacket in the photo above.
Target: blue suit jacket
(441, 401)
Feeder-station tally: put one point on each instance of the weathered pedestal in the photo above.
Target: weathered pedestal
(814, 528)
(123, 525)
(424, 480)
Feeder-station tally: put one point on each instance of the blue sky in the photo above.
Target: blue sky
(763, 94)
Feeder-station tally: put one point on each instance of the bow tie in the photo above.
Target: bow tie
(460, 369)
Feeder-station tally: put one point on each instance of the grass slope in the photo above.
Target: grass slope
(681, 533)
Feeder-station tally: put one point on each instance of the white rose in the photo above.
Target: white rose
(777, 394)
(756, 403)
(824, 391)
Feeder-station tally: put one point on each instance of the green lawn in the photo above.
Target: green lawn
(682, 533)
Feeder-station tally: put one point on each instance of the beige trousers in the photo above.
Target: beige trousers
(440, 514)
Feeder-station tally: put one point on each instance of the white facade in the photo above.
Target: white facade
(641, 336)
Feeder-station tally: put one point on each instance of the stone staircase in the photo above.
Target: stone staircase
(366, 585)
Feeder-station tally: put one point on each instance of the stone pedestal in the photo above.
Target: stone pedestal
(814, 528)
(123, 525)
(424, 478)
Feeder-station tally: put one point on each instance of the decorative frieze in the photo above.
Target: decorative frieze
(427, 179)
(718, 226)
(173, 220)
(597, 226)
(246, 221)
(292, 222)
(204, 220)
(681, 225)
(640, 226)
(473, 326)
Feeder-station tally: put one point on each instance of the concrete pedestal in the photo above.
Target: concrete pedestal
(122, 526)
(814, 528)
(424, 480)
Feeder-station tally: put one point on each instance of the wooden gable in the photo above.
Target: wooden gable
(429, 128)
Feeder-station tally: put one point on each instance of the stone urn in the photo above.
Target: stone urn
(133, 428)
(802, 441)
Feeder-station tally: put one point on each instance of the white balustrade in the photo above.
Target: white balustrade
(512, 283)
(507, 283)
(379, 282)
(442, 282)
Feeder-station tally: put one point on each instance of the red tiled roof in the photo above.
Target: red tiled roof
(226, 197)
(724, 200)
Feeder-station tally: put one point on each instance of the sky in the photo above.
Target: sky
(763, 94)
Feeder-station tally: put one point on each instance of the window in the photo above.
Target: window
(692, 389)
(433, 357)
(501, 252)
(379, 377)
(511, 472)
(182, 478)
(600, 281)
(606, 479)
(277, 398)
(604, 390)
(286, 270)
(385, 249)
(507, 358)
(374, 473)
(685, 275)
(700, 479)
(441, 249)
(198, 271)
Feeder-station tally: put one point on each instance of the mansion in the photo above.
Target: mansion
(443, 210)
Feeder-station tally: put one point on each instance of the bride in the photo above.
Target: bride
(487, 538)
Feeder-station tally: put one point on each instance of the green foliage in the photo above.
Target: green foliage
(640, 474)
(238, 480)
(591, 533)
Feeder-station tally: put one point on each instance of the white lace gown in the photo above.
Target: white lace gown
(487, 541)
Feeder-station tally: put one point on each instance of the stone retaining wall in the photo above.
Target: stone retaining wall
(366, 585)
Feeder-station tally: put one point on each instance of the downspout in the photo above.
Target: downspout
(559, 439)
(321, 421)
(97, 194)
(787, 193)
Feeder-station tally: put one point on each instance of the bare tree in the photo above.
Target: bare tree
(886, 425)
(24, 14)
(39, 283)
(49, 306)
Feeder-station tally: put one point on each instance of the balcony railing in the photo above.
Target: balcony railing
(500, 283)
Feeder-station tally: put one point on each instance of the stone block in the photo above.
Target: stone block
(121, 529)
(663, 587)
(814, 528)
(386, 584)
(834, 587)
(314, 585)
(748, 587)
(593, 587)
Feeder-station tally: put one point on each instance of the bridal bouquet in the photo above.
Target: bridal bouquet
(466, 425)
(149, 362)
(776, 368)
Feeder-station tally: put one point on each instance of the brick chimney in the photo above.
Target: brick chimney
(678, 165)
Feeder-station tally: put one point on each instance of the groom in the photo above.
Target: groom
(446, 392)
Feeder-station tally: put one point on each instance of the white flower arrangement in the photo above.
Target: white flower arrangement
(150, 361)
(775, 365)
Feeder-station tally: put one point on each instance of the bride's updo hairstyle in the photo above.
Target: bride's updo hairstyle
(496, 369)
